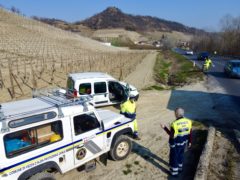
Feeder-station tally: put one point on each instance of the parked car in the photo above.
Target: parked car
(189, 52)
(201, 56)
(104, 89)
(51, 133)
(232, 68)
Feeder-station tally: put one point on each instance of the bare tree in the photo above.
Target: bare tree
(225, 42)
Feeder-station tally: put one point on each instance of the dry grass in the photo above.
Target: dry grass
(116, 33)
(173, 35)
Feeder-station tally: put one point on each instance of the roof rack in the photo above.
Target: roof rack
(3, 118)
(59, 98)
(55, 97)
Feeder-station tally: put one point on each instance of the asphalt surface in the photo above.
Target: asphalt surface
(225, 91)
(216, 73)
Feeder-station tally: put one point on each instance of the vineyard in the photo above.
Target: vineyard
(35, 55)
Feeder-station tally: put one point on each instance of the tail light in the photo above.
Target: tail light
(74, 93)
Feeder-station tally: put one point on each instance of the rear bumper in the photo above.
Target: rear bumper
(235, 75)
(231, 74)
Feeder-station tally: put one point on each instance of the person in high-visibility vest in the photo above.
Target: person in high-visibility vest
(180, 135)
(128, 109)
(207, 64)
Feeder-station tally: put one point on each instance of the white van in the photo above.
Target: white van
(104, 89)
(51, 133)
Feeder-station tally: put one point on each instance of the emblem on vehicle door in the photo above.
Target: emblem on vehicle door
(81, 153)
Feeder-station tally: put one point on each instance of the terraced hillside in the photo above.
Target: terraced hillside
(36, 55)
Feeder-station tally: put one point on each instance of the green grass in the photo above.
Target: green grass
(128, 170)
(136, 162)
(162, 69)
(173, 69)
(155, 87)
(128, 166)
(198, 124)
(121, 42)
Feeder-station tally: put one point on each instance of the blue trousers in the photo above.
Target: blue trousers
(176, 157)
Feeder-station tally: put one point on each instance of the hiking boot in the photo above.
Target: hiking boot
(136, 137)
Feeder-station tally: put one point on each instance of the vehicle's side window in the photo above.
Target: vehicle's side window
(100, 87)
(23, 141)
(85, 88)
(84, 123)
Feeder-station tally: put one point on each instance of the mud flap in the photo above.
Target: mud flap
(103, 159)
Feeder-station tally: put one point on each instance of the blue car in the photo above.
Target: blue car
(202, 56)
(232, 68)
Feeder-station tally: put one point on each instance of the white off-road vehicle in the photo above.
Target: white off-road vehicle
(104, 89)
(52, 133)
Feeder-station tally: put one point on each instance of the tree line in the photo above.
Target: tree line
(225, 42)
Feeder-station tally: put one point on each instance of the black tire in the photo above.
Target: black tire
(42, 176)
(121, 148)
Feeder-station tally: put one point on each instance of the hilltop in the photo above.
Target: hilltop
(113, 17)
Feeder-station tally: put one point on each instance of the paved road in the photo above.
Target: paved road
(225, 91)
(232, 86)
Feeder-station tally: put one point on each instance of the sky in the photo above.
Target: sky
(203, 14)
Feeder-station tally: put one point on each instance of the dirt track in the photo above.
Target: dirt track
(143, 75)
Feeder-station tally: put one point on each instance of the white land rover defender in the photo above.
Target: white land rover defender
(53, 133)
(104, 89)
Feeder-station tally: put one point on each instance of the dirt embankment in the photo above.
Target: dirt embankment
(225, 160)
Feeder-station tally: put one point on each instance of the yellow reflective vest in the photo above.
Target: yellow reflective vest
(182, 127)
(208, 62)
(128, 108)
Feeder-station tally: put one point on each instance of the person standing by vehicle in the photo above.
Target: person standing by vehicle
(207, 64)
(180, 134)
(128, 109)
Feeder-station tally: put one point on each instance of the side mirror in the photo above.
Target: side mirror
(127, 90)
(127, 87)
